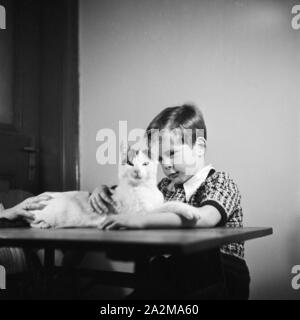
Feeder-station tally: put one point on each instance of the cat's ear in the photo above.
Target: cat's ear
(131, 154)
(144, 146)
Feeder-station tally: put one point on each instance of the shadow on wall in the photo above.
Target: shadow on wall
(294, 249)
(281, 249)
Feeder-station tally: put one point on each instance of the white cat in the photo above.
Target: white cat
(137, 192)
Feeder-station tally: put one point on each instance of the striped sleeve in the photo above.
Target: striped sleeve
(222, 193)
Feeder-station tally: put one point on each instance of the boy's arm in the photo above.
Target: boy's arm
(183, 215)
(207, 217)
(218, 203)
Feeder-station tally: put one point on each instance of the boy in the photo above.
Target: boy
(211, 197)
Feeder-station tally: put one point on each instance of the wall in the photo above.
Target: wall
(239, 61)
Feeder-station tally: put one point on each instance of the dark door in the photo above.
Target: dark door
(19, 92)
(39, 96)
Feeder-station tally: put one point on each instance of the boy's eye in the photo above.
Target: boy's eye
(145, 163)
(171, 155)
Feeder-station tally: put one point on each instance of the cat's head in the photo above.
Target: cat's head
(137, 168)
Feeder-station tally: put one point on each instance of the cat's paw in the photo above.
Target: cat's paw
(99, 226)
(40, 225)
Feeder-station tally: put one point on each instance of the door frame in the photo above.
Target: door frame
(60, 62)
(70, 93)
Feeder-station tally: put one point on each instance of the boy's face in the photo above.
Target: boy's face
(179, 161)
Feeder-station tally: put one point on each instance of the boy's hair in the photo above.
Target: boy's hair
(183, 118)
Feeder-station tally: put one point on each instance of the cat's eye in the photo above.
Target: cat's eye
(172, 153)
(145, 163)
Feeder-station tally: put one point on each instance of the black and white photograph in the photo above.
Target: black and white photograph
(149, 152)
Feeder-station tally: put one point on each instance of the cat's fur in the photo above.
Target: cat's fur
(66, 210)
(137, 192)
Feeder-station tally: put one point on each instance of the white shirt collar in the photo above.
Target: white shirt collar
(195, 181)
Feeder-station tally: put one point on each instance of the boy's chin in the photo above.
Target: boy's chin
(179, 179)
(182, 179)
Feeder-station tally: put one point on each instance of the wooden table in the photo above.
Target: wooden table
(128, 245)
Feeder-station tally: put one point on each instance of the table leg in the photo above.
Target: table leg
(49, 263)
(141, 271)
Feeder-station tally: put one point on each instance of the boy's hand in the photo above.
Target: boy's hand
(101, 200)
(23, 209)
(122, 221)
